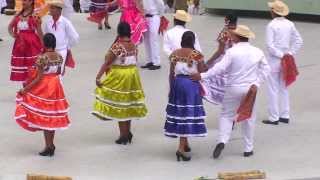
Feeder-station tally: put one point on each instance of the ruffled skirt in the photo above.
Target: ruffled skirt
(185, 111)
(44, 107)
(120, 97)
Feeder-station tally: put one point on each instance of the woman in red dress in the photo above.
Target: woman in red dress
(26, 29)
(41, 104)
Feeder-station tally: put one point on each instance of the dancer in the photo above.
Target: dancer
(132, 13)
(214, 86)
(25, 28)
(172, 38)
(99, 10)
(63, 30)
(283, 39)
(185, 111)
(246, 68)
(153, 10)
(119, 96)
(41, 104)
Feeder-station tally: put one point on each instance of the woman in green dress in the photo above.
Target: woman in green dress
(119, 96)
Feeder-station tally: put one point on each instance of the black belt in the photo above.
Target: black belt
(149, 15)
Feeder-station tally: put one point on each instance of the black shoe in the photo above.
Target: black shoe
(153, 67)
(270, 122)
(130, 136)
(248, 154)
(100, 27)
(107, 26)
(1, 39)
(122, 140)
(284, 120)
(147, 65)
(48, 151)
(182, 156)
(217, 151)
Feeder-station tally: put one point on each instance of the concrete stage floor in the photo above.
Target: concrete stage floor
(87, 151)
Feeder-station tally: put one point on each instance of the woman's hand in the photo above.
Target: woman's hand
(22, 91)
(98, 83)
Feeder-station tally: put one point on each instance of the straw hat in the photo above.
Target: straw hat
(182, 15)
(279, 7)
(57, 3)
(243, 31)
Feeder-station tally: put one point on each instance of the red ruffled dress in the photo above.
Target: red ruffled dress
(27, 47)
(44, 107)
(132, 16)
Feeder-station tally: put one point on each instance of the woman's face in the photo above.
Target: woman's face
(27, 3)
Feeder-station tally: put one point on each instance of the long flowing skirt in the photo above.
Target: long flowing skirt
(185, 111)
(26, 49)
(120, 97)
(44, 107)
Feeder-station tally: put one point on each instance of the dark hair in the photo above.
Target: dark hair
(188, 40)
(179, 22)
(49, 40)
(32, 5)
(243, 39)
(233, 19)
(124, 30)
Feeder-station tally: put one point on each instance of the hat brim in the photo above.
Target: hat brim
(60, 5)
(187, 18)
(250, 35)
(285, 12)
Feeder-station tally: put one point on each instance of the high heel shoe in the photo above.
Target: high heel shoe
(48, 151)
(122, 140)
(107, 26)
(100, 27)
(130, 136)
(182, 156)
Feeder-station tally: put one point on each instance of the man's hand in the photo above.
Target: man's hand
(196, 77)
(98, 83)
(22, 91)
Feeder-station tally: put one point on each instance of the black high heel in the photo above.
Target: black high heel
(122, 140)
(130, 136)
(182, 156)
(48, 151)
(107, 26)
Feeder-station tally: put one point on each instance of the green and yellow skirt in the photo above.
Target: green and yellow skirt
(120, 97)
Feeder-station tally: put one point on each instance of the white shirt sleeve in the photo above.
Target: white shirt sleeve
(219, 68)
(270, 43)
(167, 47)
(296, 41)
(263, 71)
(73, 36)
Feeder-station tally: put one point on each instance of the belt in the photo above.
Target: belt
(149, 15)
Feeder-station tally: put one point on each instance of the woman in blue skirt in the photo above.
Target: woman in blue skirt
(185, 111)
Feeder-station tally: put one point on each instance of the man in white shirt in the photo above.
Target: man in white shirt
(62, 28)
(172, 38)
(282, 38)
(245, 66)
(153, 10)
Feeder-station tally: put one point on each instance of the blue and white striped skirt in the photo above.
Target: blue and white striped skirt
(185, 111)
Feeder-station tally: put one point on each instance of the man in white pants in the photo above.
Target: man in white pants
(282, 38)
(153, 10)
(62, 28)
(245, 66)
(172, 38)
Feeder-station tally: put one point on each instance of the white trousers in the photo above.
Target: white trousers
(278, 97)
(152, 40)
(230, 105)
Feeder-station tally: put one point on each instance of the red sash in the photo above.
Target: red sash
(246, 106)
(69, 60)
(164, 23)
(289, 69)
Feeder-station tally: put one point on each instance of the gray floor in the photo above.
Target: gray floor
(87, 149)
